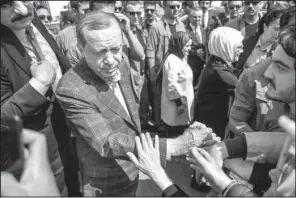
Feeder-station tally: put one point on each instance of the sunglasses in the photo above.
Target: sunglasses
(149, 10)
(135, 13)
(8, 4)
(173, 7)
(251, 2)
(42, 17)
(118, 9)
(235, 6)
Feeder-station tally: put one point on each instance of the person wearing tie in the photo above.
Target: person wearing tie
(207, 21)
(196, 56)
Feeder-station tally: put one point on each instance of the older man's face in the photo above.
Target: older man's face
(16, 15)
(195, 17)
(281, 76)
(103, 50)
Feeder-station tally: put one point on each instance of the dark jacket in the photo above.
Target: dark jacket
(216, 87)
(18, 97)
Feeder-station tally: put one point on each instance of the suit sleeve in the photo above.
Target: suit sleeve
(227, 77)
(243, 106)
(89, 122)
(26, 101)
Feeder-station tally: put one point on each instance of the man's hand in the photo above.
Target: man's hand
(124, 22)
(192, 137)
(43, 72)
(181, 109)
(37, 178)
(204, 163)
(200, 53)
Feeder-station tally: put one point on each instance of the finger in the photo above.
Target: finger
(149, 140)
(209, 135)
(138, 145)
(208, 143)
(10, 186)
(191, 160)
(37, 145)
(133, 158)
(288, 125)
(144, 142)
(200, 160)
(206, 155)
(156, 143)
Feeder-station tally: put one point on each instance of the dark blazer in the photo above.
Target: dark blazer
(104, 131)
(194, 61)
(18, 97)
(216, 86)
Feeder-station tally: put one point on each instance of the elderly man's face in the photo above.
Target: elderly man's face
(281, 76)
(44, 16)
(103, 51)
(195, 17)
(17, 15)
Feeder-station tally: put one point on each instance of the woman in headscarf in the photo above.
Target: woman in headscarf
(217, 80)
(177, 97)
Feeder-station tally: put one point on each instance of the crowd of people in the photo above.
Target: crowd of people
(126, 86)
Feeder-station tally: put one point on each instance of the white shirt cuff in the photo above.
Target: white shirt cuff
(169, 150)
(39, 87)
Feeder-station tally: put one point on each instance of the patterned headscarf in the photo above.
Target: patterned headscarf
(223, 43)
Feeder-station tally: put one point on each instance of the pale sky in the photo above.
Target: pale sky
(56, 7)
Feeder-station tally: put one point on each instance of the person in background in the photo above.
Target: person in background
(156, 48)
(209, 20)
(247, 23)
(159, 10)
(118, 7)
(101, 106)
(177, 96)
(80, 7)
(44, 15)
(31, 66)
(187, 6)
(224, 16)
(260, 45)
(196, 57)
(104, 6)
(235, 9)
(150, 14)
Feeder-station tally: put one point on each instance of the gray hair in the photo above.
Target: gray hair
(95, 21)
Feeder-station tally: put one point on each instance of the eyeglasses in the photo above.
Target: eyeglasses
(135, 13)
(48, 17)
(251, 2)
(234, 6)
(8, 4)
(118, 9)
(149, 10)
(173, 7)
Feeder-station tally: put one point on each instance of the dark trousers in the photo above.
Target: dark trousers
(175, 131)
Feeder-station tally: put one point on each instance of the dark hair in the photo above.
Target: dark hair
(190, 4)
(287, 40)
(150, 3)
(95, 21)
(288, 14)
(41, 7)
(69, 16)
(177, 41)
(92, 6)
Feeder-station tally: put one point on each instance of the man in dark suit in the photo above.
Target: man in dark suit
(101, 105)
(196, 56)
(31, 65)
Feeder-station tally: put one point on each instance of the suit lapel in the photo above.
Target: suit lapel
(104, 93)
(15, 50)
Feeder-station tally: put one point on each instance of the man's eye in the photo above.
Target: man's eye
(115, 50)
(280, 67)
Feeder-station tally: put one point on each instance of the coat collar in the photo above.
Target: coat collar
(106, 95)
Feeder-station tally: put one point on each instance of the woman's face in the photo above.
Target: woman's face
(238, 51)
(187, 48)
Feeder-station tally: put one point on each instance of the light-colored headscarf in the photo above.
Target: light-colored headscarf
(223, 43)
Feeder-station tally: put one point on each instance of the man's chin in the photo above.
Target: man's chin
(272, 97)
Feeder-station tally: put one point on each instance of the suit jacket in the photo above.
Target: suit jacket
(104, 131)
(18, 97)
(195, 62)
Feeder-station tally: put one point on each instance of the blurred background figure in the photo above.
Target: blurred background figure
(104, 6)
(235, 8)
(150, 14)
(79, 7)
(224, 16)
(159, 10)
(118, 7)
(44, 15)
(186, 6)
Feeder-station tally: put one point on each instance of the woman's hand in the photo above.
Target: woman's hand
(204, 163)
(181, 109)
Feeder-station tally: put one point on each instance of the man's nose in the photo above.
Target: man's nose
(20, 8)
(109, 59)
(268, 72)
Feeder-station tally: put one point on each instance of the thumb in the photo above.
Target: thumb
(10, 186)
(133, 158)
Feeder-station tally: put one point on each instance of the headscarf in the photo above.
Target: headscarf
(223, 43)
(177, 41)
